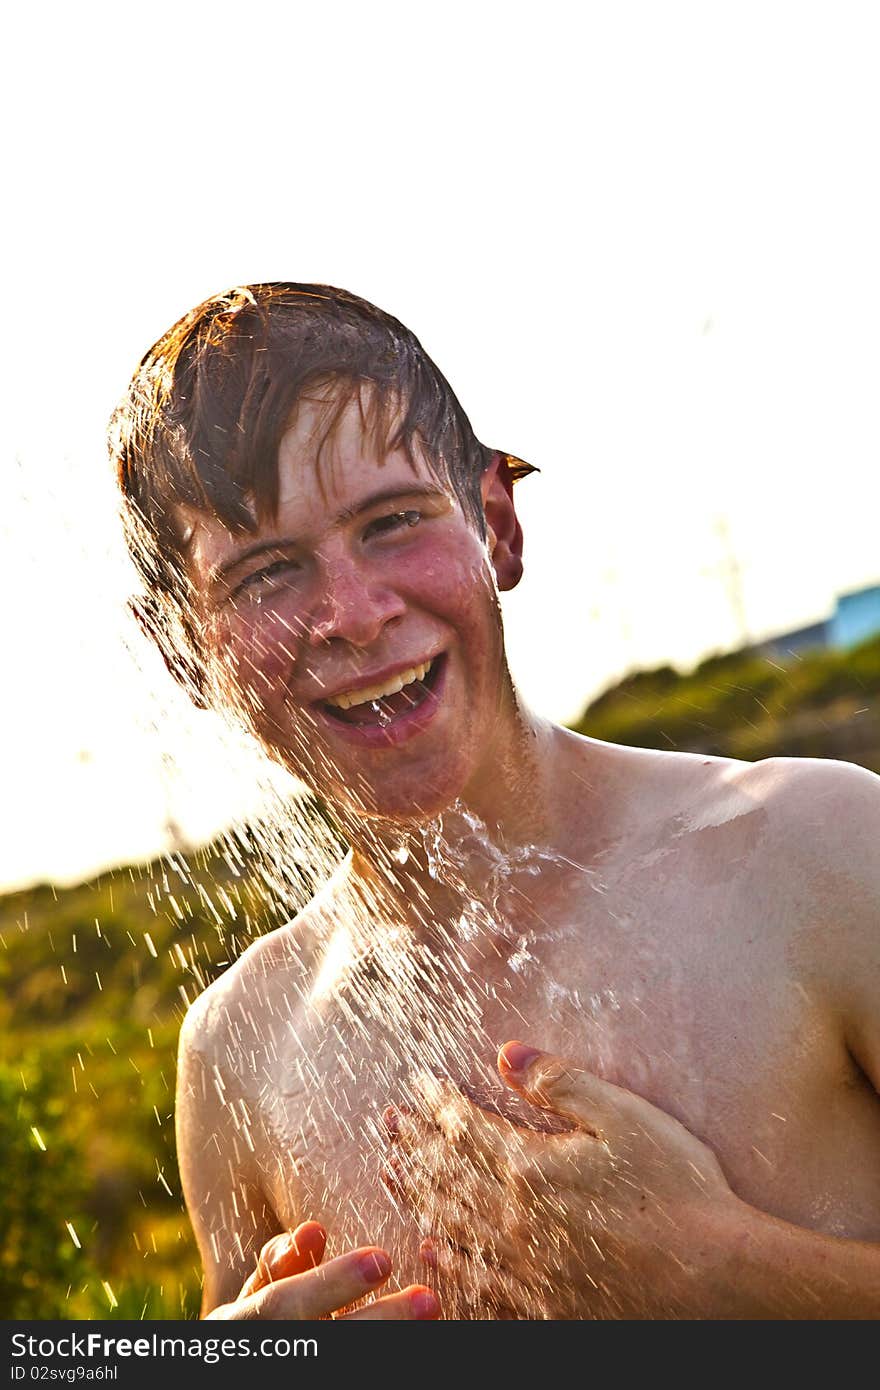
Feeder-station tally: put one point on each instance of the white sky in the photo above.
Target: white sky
(641, 240)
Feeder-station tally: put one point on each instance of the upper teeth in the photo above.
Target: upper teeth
(378, 692)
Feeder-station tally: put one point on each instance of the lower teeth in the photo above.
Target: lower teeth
(381, 714)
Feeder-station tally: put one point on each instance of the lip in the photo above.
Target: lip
(385, 673)
(400, 729)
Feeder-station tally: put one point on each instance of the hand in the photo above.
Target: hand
(290, 1283)
(617, 1217)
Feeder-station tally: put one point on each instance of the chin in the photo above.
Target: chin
(410, 799)
(403, 786)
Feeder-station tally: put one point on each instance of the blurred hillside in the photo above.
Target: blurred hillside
(94, 983)
(819, 704)
(96, 978)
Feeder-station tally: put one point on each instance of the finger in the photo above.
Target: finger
(391, 1119)
(476, 1237)
(424, 1172)
(453, 1196)
(417, 1303)
(405, 1181)
(450, 1192)
(422, 1156)
(446, 1183)
(292, 1252)
(310, 1240)
(595, 1105)
(319, 1292)
(433, 1197)
(490, 1140)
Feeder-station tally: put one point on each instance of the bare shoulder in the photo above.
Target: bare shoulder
(826, 811)
(227, 1049)
(655, 782)
(819, 826)
(813, 883)
(824, 816)
(822, 810)
(819, 808)
(231, 1014)
(809, 826)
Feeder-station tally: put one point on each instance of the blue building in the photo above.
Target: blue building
(856, 618)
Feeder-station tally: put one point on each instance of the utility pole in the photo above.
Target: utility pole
(731, 578)
(174, 836)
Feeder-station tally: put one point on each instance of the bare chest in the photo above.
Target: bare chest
(659, 979)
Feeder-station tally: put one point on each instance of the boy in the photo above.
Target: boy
(322, 538)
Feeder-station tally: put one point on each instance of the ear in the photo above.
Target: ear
(154, 620)
(504, 531)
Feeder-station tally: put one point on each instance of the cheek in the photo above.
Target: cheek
(462, 583)
(249, 649)
(453, 579)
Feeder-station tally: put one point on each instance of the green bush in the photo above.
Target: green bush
(44, 1188)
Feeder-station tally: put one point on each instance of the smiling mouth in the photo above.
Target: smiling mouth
(380, 709)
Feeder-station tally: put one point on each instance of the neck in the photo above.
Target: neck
(507, 821)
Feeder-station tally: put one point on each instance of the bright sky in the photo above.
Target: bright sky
(641, 241)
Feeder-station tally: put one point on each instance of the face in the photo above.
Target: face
(358, 633)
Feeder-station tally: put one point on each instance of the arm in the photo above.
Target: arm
(754, 1264)
(230, 1217)
(838, 804)
(833, 810)
(772, 1269)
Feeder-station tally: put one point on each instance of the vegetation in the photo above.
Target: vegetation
(95, 980)
(94, 983)
(743, 705)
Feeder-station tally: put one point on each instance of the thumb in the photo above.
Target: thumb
(548, 1081)
(291, 1252)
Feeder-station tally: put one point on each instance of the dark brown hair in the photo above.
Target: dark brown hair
(203, 418)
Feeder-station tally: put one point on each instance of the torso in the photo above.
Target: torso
(672, 965)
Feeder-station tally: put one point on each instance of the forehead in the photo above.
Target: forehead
(332, 448)
(330, 462)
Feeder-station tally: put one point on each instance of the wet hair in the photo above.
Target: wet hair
(204, 414)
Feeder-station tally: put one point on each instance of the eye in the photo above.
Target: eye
(253, 582)
(394, 521)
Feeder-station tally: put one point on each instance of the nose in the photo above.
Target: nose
(352, 607)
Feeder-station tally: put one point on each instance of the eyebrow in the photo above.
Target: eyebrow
(393, 494)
